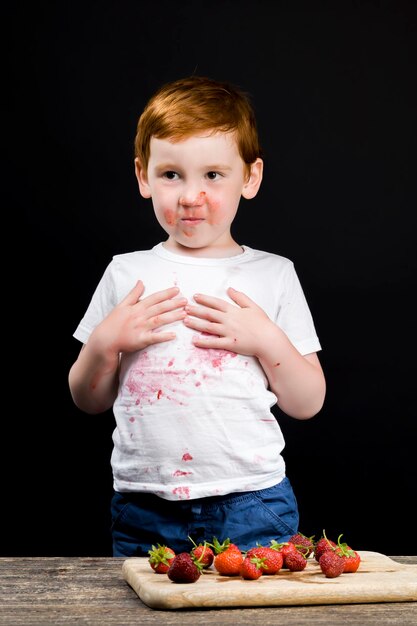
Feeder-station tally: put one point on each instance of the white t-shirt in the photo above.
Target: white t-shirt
(194, 422)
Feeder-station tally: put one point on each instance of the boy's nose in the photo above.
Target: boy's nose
(191, 199)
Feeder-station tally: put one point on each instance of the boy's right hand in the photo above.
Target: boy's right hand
(134, 324)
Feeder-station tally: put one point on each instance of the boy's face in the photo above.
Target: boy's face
(196, 185)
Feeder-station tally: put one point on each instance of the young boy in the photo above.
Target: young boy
(193, 341)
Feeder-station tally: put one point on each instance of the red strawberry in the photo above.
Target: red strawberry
(251, 567)
(273, 559)
(233, 546)
(295, 561)
(221, 547)
(331, 564)
(352, 562)
(228, 562)
(350, 557)
(304, 544)
(203, 554)
(322, 545)
(183, 569)
(284, 549)
(160, 558)
(227, 557)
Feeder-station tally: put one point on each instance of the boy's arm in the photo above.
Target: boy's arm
(129, 327)
(93, 378)
(297, 381)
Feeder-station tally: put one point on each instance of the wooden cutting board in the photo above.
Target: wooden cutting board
(378, 579)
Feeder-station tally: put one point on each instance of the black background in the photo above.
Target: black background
(334, 89)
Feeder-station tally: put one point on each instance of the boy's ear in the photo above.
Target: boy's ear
(251, 186)
(142, 179)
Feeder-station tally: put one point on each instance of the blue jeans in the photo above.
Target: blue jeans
(140, 520)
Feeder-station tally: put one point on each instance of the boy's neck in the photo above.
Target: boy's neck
(208, 252)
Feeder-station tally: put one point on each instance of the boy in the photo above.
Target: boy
(193, 341)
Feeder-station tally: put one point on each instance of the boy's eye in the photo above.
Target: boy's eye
(212, 175)
(170, 175)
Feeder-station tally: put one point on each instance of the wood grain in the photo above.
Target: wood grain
(55, 591)
(379, 579)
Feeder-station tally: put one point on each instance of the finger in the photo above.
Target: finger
(204, 326)
(161, 319)
(211, 341)
(211, 301)
(165, 305)
(165, 312)
(161, 296)
(161, 337)
(134, 294)
(240, 298)
(204, 313)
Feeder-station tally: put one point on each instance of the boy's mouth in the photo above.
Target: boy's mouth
(192, 220)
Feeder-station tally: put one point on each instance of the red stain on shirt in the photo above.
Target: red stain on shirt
(149, 375)
(187, 457)
(181, 473)
(183, 493)
(211, 356)
(153, 378)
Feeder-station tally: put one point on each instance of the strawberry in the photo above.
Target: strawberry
(227, 557)
(202, 553)
(350, 557)
(295, 561)
(160, 558)
(331, 564)
(228, 562)
(322, 545)
(352, 561)
(220, 547)
(251, 567)
(304, 544)
(184, 569)
(284, 548)
(272, 559)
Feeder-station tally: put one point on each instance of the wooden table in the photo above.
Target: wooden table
(41, 591)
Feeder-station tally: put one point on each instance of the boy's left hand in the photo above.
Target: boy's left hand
(240, 328)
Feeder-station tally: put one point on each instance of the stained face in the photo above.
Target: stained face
(196, 185)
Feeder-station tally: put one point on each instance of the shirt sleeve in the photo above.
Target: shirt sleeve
(103, 301)
(294, 315)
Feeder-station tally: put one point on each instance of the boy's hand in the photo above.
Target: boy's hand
(134, 324)
(225, 326)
